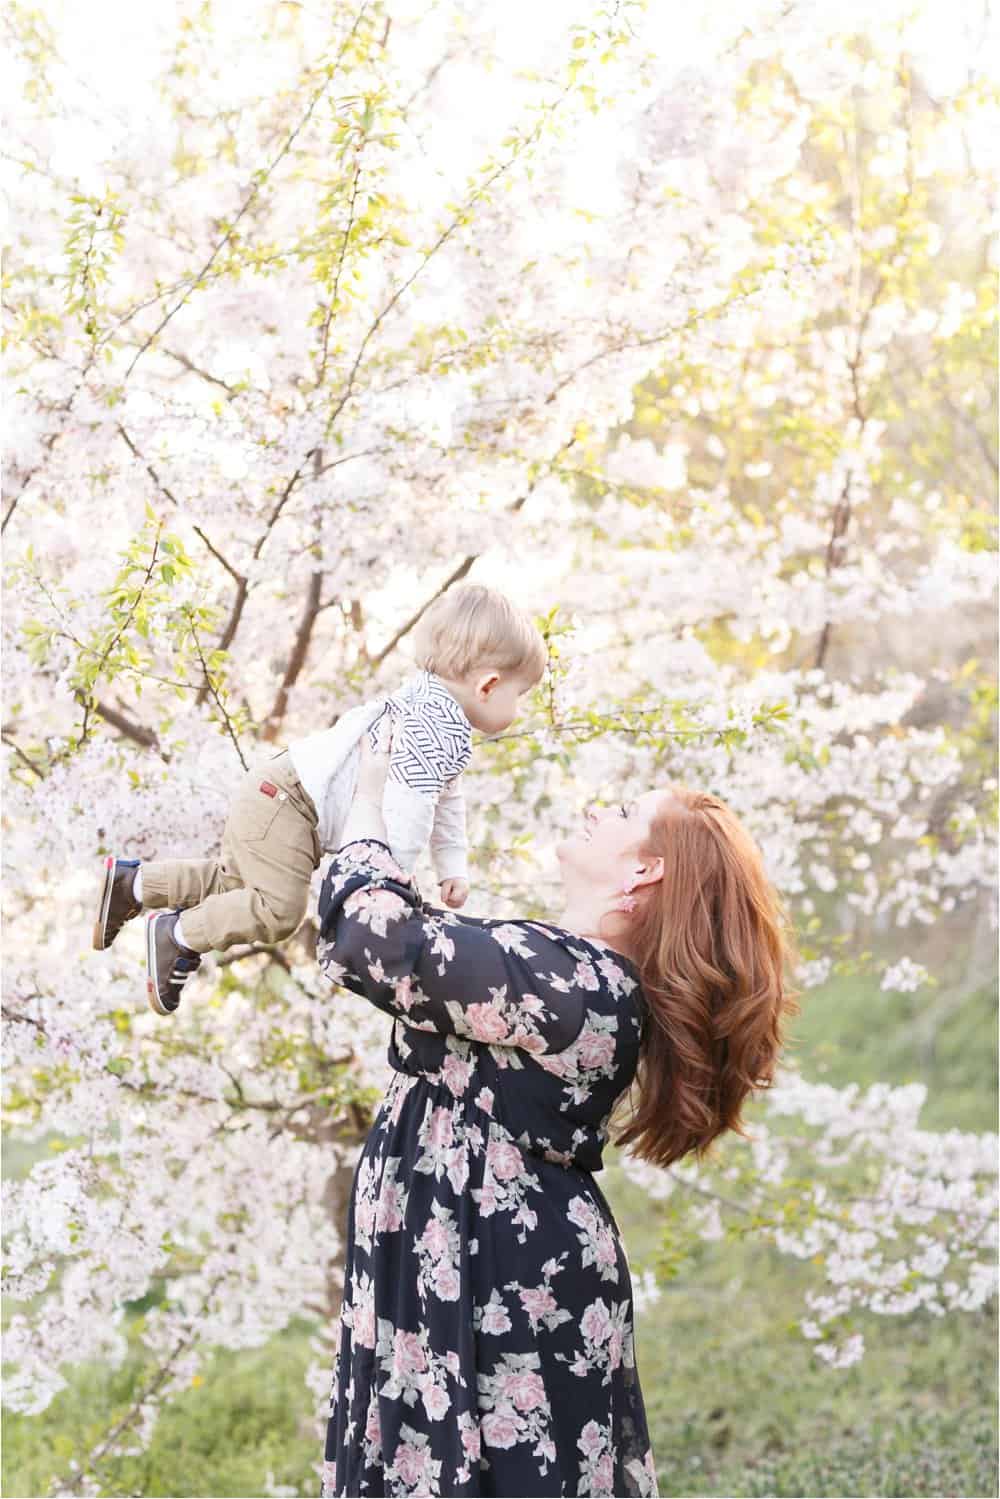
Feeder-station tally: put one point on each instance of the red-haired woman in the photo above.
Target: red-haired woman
(486, 1335)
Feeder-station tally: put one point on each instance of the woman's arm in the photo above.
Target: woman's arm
(365, 819)
(498, 983)
(503, 984)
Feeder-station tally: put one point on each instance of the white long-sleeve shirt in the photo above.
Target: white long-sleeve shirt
(423, 801)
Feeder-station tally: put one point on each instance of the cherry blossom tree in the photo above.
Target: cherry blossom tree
(314, 311)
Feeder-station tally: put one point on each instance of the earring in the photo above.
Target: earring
(627, 903)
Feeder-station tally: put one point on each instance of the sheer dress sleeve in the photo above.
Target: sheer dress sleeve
(498, 983)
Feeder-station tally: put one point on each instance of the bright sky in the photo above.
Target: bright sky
(111, 46)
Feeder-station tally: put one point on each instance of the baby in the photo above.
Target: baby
(478, 656)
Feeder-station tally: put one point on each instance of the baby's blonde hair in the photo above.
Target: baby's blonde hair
(471, 626)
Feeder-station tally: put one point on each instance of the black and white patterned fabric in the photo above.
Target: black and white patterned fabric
(432, 737)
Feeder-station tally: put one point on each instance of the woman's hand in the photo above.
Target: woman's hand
(374, 764)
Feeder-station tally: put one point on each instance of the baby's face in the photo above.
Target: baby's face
(495, 701)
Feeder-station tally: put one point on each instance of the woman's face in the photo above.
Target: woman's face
(605, 850)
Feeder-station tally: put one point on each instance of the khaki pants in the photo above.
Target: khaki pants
(258, 888)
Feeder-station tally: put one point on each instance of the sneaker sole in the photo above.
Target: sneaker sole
(101, 924)
(152, 977)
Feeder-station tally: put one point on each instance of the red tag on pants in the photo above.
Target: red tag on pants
(268, 789)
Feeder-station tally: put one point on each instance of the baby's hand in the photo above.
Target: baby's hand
(454, 892)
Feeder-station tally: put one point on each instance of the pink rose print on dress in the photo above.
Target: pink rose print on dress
(595, 1049)
(406, 992)
(604, 1473)
(492, 1318)
(409, 1355)
(619, 982)
(513, 939)
(591, 1440)
(643, 1473)
(455, 1074)
(378, 1210)
(597, 1238)
(607, 1340)
(376, 909)
(438, 1251)
(447, 1283)
(389, 1210)
(458, 1170)
(445, 1144)
(437, 1403)
(434, 1237)
(486, 1022)
(409, 1463)
(528, 1041)
(517, 1409)
(526, 1391)
(506, 1182)
(370, 856)
(488, 1198)
(598, 1471)
(441, 1132)
(540, 1303)
(396, 1096)
(468, 1431)
(360, 1316)
(504, 1159)
(585, 977)
(595, 1324)
(501, 1429)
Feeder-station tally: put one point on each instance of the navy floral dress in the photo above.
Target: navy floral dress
(486, 1332)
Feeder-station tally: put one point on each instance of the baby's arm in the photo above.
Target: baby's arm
(449, 843)
(423, 802)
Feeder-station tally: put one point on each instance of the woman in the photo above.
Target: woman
(486, 1334)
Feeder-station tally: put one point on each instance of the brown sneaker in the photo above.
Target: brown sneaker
(117, 903)
(168, 964)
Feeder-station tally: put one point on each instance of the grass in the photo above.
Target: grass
(249, 1417)
(738, 1405)
(736, 1401)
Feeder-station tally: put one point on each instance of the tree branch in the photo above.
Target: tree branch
(214, 692)
(19, 752)
(127, 726)
(260, 178)
(461, 570)
(297, 659)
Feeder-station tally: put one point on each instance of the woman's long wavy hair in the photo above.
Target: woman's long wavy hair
(713, 947)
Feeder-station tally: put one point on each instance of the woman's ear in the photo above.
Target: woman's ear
(648, 873)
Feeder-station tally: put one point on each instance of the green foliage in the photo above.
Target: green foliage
(95, 236)
(151, 608)
(246, 1414)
